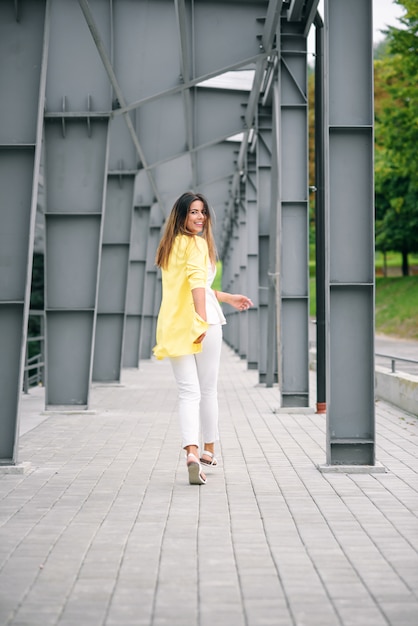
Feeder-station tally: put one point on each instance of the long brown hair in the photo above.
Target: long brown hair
(176, 225)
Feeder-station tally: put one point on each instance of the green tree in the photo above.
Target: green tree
(396, 156)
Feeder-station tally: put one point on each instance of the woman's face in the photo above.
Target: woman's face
(196, 217)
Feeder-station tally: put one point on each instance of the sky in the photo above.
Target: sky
(385, 13)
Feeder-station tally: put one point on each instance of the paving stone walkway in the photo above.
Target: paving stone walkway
(103, 529)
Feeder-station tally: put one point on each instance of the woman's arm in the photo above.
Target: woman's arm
(236, 300)
(199, 301)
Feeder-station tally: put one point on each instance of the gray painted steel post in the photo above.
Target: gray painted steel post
(243, 255)
(274, 244)
(150, 303)
(136, 279)
(76, 148)
(266, 313)
(234, 282)
(115, 254)
(229, 275)
(252, 259)
(226, 265)
(293, 264)
(319, 218)
(113, 277)
(349, 214)
(23, 52)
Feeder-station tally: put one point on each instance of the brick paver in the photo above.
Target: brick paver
(104, 529)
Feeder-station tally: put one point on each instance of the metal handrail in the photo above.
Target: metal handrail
(393, 360)
(36, 362)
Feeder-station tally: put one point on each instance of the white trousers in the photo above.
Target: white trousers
(197, 383)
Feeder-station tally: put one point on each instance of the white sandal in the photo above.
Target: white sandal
(212, 463)
(195, 471)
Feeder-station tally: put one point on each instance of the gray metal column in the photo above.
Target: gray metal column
(113, 277)
(252, 259)
(231, 282)
(266, 319)
(111, 307)
(136, 279)
(227, 334)
(294, 214)
(140, 231)
(274, 250)
(243, 275)
(320, 257)
(24, 32)
(227, 285)
(76, 149)
(151, 299)
(349, 215)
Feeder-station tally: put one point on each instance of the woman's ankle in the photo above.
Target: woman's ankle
(192, 450)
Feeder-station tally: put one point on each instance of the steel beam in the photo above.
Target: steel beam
(184, 28)
(101, 48)
(320, 257)
(76, 162)
(24, 40)
(113, 275)
(266, 315)
(150, 302)
(311, 14)
(294, 12)
(235, 277)
(271, 23)
(252, 260)
(144, 283)
(73, 230)
(136, 280)
(111, 307)
(243, 274)
(349, 215)
(264, 67)
(293, 223)
(274, 247)
(231, 283)
(216, 25)
(177, 89)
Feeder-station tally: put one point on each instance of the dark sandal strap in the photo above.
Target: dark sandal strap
(212, 463)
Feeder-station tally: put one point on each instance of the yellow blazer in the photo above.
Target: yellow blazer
(178, 324)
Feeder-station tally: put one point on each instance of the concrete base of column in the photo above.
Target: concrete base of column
(19, 468)
(378, 468)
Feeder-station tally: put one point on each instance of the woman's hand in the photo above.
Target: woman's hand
(239, 302)
(200, 338)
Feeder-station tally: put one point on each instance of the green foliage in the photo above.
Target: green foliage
(396, 306)
(217, 283)
(37, 289)
(312, 295)
(36, 301)
(393, 262)
(380, 49)
(396, 158)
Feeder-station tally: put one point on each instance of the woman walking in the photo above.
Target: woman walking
(189, 326)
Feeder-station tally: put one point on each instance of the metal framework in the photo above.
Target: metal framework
(139, 101)
(349, 223)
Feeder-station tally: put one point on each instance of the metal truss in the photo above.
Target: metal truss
(137, 102)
